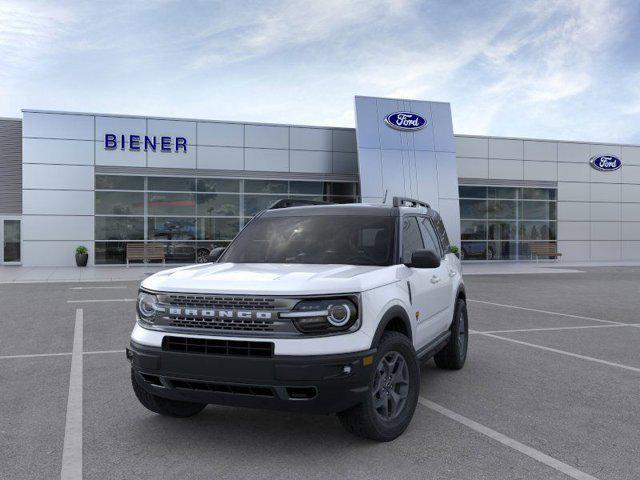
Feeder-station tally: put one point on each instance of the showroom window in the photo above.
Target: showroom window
(189, 216)
(501, 223)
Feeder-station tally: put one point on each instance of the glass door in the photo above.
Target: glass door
(10, 236)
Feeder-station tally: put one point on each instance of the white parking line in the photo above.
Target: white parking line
(99, 352)
(103, 300)
(33, 355)
(509, 442)
(561, 352)
(550, 329)
(99, 287)
(547, 312)
(72, 448)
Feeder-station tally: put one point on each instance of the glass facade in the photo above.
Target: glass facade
(189, 216)
(501, 223)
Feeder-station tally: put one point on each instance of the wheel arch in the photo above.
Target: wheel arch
(395, 319)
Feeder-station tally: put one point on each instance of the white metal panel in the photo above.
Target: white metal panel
(344, 141)
(266, 160)
(545, 151)
(573, 192)
(605, 231)
(427, 176)
(602, 192)
(311, 138)
(630, 174)
(220, 134)
(605, 177)
(52, 253)
(630, 212)
(220, 158)
(367, 121)
(547, 171)
(266, 136)
(370, 167)
(574, 152)
(506, 148)
(425, 139)
(573, 251)
(120, 126)
(473, 167)
(630, 155)
(506, 169)
(447, 175)
(172, 128)
(450, 211)
(630, 193)
(605, 251)
(573, 231)
(57, 125)
(605, 150)
(344, 162)
(57, 227)
(393, 175)
(442, 127)
(574, 211)
(120, 158)
(631, 231)
(57, 202)
(173, 159)
(63, 177)
(473, 147)
(605, 212)
(390, 138)
(574, 172)
(310, 161)
(69, 152)
(630, 250)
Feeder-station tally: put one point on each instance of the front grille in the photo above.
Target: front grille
(254, 390)
(222, 324)
(221, 301)
(206, 346)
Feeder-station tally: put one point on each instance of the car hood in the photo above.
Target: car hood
(271, 279)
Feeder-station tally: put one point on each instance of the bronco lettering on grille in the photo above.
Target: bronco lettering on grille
(217, 313)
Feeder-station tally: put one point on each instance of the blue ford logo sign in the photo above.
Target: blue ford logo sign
(605, 163)
(405, 121)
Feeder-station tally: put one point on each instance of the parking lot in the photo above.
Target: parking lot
(551, 390)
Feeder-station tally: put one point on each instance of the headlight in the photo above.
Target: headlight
(328, 315)
(147, 307)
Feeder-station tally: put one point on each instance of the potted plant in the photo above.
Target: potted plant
(82, 255)
(455, 250)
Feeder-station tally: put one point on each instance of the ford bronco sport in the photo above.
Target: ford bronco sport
(315, 308)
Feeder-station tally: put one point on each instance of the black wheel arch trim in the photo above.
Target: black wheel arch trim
(395, 312)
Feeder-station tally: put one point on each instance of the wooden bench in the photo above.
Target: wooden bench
(144, 252)
(544, 250)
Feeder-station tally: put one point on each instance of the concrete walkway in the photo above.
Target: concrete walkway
(528, 268)
(19, 274)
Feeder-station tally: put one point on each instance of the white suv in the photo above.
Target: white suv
(318, 308)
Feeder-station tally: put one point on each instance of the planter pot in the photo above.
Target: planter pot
(81, 259)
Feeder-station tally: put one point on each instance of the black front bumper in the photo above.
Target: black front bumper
(314, 384)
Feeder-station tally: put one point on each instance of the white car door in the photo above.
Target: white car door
(424, 285)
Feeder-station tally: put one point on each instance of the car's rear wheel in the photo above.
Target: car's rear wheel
(164, 406)
(453, 356)
(393, 392)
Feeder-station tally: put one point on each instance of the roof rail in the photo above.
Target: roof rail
(295, 202)
(409, 202)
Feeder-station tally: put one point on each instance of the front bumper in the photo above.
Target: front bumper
(314, 384)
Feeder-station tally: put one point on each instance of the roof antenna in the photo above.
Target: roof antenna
(384, 200)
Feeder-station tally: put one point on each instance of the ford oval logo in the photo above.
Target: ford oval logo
(605, 163)
(405, 121)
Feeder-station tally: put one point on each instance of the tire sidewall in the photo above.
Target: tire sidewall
(461, 319)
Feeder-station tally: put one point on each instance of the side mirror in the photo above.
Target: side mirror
(424, 259)
(215, 254)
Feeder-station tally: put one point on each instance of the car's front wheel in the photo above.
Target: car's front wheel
(393, 392)
(164, 406)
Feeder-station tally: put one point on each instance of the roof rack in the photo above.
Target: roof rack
(409, 202)
(295, 202)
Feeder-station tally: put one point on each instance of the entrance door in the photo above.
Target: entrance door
(10, 238)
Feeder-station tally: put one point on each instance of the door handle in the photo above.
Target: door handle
(452, 273)
(435, 279)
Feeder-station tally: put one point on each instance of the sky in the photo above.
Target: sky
(540, 69)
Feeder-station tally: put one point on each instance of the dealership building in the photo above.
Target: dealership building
(110, 182)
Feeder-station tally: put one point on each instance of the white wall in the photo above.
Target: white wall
(598, 212)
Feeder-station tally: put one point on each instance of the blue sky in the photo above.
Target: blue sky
(545, 69)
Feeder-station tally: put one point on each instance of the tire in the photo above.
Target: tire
(453, 356)
(202, 256)
(367, 420)
(164, 406)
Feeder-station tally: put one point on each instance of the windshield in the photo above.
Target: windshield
(348, 240)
